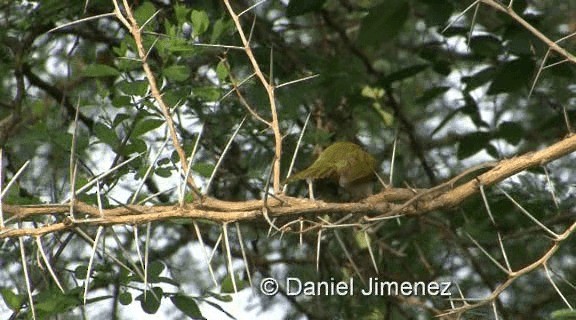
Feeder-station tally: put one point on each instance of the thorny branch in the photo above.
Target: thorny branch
(128, 20)
(390, 202)
(269, 87)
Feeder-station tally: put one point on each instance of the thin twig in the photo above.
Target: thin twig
(275, 125)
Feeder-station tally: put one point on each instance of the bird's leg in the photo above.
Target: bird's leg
(310, 189)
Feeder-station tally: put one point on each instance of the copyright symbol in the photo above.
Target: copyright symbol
(269, 286)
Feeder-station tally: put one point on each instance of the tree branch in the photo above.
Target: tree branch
(384, 204)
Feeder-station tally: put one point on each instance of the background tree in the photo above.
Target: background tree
(144, 145)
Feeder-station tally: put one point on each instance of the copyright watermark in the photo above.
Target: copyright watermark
(373, 287)
(269, 286)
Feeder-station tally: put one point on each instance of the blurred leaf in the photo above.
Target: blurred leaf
(204, 169)
(220, 27)
(564, 69)
(383, 23)
(222, 70)
(405, 73)
(106, 135)
(486, 45)
(163, 172)
(100, 70)
(187, 305)
(512, 75)
(144, 12)
(228, 286)
(181, 13)
(431, 94)
(472, 143)
(177, 72)
(442, 67)
(512, 132)
(563, 314)
(119, 118)
(479, 78)
(492, 151)
(155, 268)
(12, 300)
(220, 297)
(151, 302)
(53, 301)
(299, 7)
(361, 240)
(134, 146)
(519, 6)
(438, 12)
(146, 126)
(445, 121)
(120, 101)
(207, 93)
(200, 22)
(125, 298)
(519, 41)
(80, 272)
(133, 88)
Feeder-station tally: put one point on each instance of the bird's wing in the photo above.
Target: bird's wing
(313, 172)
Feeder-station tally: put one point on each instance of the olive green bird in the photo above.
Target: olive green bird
(352, 167)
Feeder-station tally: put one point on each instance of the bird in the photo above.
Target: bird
(348, 163)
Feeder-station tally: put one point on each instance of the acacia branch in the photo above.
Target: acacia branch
(269, 87)
(130, 22)
(510, 12)
(387, 203)
(512, 276)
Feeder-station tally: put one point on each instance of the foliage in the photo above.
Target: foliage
(77, 103)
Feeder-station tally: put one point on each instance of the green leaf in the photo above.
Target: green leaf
(492, 151)
(119, 118)
(133, 88)
(135, 146)
(125, 298)
(361, 240)
(472, 143)
(120, 101)
(12, 300)
(220, 27)
(405, 73)
(151, 302)
(383, 23)
(187, 305)
(479, 78)
(486, 46)
(563, 314)
(106, 135)
(55, 302)
(207, 93)
(445, 121)
(181, 12)
(228, 286)
(144, 12)
(222, 70)
(200, 22)
(300, 7)
(204, 169)
(442, 67)
(177, 72)
(100, 70)
(438, 12)
(512, 132)
(431, 94)
(146, 125)
(155, 268)
(512, 75)
(220, 297)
